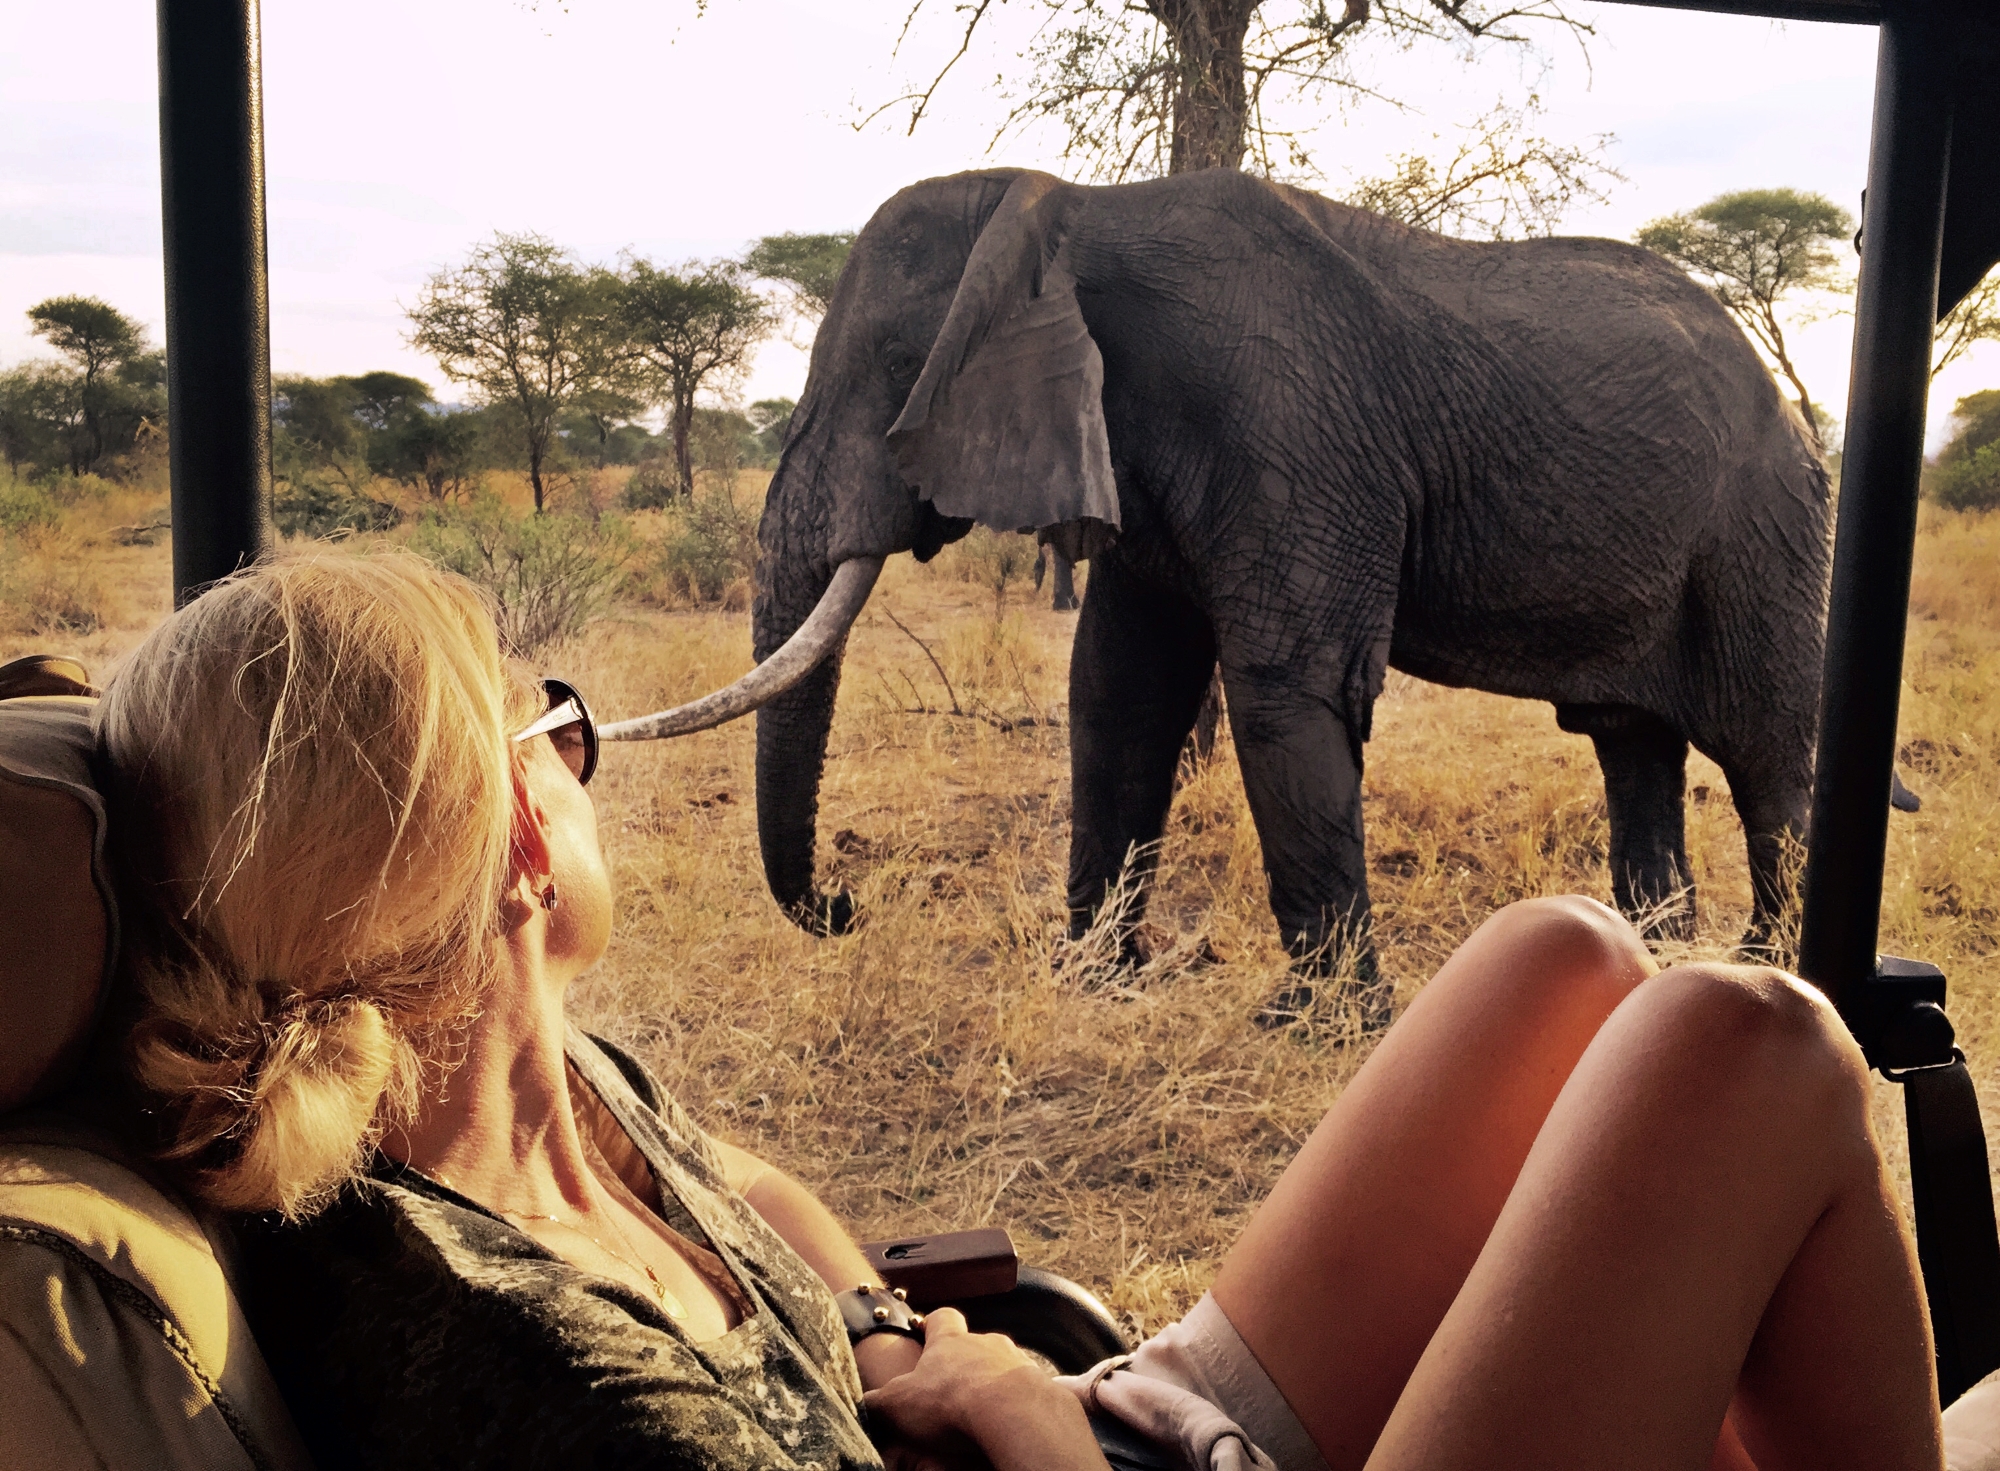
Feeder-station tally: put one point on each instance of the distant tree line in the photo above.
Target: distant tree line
(545, 342)
(333, 438)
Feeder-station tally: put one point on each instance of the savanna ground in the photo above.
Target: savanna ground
(943, 1067)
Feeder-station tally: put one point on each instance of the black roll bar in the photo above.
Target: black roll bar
(218, 314)
(1895, 312)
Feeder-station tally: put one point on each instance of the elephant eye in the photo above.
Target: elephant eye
(902, 362)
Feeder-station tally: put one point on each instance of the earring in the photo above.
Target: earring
(549, 900)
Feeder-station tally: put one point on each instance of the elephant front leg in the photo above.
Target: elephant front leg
(1136, 676)
(1644, 760)
(1302, 773)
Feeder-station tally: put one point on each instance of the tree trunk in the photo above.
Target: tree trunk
(683, 449)
(535, 473)
(1211, 99)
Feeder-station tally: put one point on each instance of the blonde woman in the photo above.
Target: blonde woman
(1569, 1214)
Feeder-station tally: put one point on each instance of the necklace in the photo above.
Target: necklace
(669, 1304)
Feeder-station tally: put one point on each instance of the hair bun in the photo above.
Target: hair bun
(275, 1114)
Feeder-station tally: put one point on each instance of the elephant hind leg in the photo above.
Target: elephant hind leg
(1644, 760)
(1774, 810)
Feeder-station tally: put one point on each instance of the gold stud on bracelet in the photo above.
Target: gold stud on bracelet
(864, 1290)
(901, 1296)
(881, 1315)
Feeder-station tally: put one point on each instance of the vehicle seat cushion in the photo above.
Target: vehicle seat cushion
(56, 908)
(121, 1340)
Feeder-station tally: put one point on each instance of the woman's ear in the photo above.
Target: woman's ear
(531, 856)
(1005, 425)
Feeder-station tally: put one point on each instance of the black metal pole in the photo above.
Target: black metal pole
(218, 317)
(1895, 311)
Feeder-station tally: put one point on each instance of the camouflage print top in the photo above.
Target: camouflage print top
(411, 1327)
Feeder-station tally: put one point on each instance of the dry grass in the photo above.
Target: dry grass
(93, 583)
(942, 1067)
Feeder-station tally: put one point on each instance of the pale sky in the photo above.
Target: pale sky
(400, 134)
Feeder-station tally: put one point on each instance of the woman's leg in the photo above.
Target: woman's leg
(1705, 1214)
(1344, 1273)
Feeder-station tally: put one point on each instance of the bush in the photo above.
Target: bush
(318, 505)
(993, 559)
(1971, 483)
(653, 487)
(26, 508)
(59, 597)
(548, 575)
(713, 547)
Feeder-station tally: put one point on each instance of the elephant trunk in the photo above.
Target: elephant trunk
(791, 756)
(797, 580)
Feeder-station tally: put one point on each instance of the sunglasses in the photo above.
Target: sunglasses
(570, 729)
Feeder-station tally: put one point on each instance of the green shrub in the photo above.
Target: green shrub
(1971, 483)
(713, 545)
(548, 575)
(25, 508)
(320, 505)
(654, 486)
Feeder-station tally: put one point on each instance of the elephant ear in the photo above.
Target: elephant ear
(1005, 425)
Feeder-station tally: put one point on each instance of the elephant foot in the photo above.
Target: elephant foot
(1095, 961)
(1325, 1008)
(1766, 942)
(1333, 991)
(825, 915)
(1672, 922)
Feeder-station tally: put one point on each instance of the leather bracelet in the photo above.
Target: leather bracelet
(870, 1310)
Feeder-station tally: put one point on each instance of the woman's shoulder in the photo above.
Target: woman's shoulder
(638, 1077)
(611, 1070)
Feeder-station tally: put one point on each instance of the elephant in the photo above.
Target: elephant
(1064, 598)
(1306, 443)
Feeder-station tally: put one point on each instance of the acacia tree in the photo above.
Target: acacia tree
(528, 329)
(1143, 88)
(1975, 319)
(806, 265)
(99, 341)
(687, 328)
(1500, 182)
(1754, 248)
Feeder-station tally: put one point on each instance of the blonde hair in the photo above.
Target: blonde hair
(312, 784)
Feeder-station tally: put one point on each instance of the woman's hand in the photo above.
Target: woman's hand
(979, 1390)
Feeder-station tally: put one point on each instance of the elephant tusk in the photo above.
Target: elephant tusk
(800, 654)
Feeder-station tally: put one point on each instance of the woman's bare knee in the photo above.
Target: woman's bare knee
(1757, 1024)
(1565, 944)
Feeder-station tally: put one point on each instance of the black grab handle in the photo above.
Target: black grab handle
(1051, 1316)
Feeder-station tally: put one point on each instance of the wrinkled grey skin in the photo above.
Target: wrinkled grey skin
(1551, 469)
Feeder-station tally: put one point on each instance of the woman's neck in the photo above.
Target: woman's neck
(502, 1130)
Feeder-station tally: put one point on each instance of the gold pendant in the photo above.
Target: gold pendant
(668, 1302)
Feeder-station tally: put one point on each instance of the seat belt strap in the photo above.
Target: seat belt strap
(1957, 1243)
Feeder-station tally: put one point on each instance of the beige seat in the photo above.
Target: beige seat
(121, 1342)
